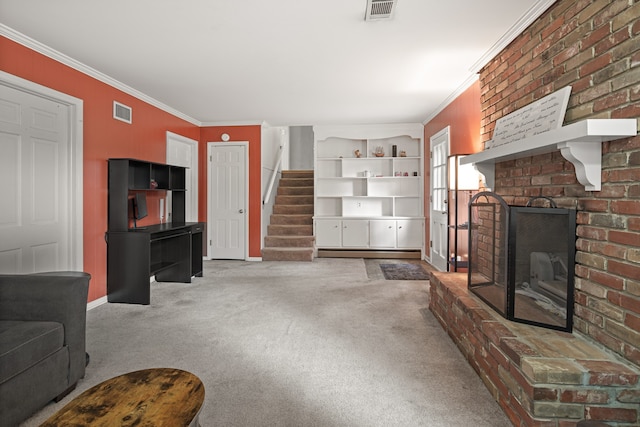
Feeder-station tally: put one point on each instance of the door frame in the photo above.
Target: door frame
(75, 187)
(443, 133)
(210, 146)
(170, 136)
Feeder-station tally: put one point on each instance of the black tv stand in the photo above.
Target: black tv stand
(172, 252)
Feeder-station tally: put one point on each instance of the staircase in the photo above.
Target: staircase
(290, 233)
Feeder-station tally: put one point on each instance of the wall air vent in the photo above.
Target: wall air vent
(379, 9)
(122, 112)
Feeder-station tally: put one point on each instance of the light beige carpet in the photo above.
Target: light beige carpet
(295, 344)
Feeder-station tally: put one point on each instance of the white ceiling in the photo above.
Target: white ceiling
(286, 62)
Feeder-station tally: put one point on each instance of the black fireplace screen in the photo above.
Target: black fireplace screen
(521, 260)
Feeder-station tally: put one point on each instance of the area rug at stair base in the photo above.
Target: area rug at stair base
(403, 272)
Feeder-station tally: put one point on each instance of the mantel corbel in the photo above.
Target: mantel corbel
(586, 157)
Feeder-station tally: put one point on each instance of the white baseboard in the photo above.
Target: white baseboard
(96, 303)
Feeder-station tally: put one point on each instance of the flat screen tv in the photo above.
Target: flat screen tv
(139, 207)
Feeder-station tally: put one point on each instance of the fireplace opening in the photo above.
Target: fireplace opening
(522, 258)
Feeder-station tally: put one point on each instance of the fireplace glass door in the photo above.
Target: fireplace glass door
(522, 262)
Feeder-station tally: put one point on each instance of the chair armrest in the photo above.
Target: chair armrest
(56, 297)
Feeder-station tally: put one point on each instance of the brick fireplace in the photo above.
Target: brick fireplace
(594, 47)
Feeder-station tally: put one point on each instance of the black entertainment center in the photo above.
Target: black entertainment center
(172, 252)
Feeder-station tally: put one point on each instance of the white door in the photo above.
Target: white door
(438, 231)
(35, 191)
(182, 151)
(227, 200)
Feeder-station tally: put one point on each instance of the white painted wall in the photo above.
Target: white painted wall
(273, 137)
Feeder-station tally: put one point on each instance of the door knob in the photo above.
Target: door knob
(241, 211)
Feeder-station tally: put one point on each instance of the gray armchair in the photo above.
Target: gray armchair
(42, 340)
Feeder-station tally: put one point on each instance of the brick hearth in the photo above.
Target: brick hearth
(540, 377)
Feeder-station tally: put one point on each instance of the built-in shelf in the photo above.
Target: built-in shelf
(368, 191)
(580, 143)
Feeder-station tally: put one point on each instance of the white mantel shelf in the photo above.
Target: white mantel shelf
(580, 143)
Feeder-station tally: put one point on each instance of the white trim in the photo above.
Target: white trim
(441, 134)
(43, 49)
(254, 258)
(76, 132)
(230, 123)
(459, 91)
(516, 29)
(97, 303)
(245, 144)
(368, 131)
(194, 165)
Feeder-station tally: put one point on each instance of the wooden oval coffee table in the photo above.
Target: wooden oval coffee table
(151, 397)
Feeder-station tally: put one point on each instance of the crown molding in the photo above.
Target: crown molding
(464, 86)
(238, 123)
(45, 50)
(516, 29)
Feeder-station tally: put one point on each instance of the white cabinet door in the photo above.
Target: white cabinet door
(355, 233)
(382, 233)
(410, 233)
(328, 233)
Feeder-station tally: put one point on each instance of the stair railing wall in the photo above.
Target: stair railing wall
(272, 180)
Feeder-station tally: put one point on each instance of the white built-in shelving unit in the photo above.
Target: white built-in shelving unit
(369, 202)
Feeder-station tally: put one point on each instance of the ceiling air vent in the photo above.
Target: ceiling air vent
(121, 112)
(379, 9)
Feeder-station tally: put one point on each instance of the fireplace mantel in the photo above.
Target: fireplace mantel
(580, 143)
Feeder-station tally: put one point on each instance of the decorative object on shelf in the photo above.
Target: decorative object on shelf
(394, 150)
(153, 184)
(379, 151)
(357, 153)
(403, 153)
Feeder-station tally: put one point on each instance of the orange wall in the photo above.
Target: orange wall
(463, 117)
(252, 134)
(104, 137)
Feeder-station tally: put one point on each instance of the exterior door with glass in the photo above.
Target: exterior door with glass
(439, 144)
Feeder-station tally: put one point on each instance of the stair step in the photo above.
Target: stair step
(294, 200)
(280, 219)
(290, 233)
(287, 254)
(297, 174)
(289, 230)
(295, 191)
(296, 182)
(293, 209)
(289, 241)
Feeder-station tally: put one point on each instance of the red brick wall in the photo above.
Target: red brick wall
(594, 46)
